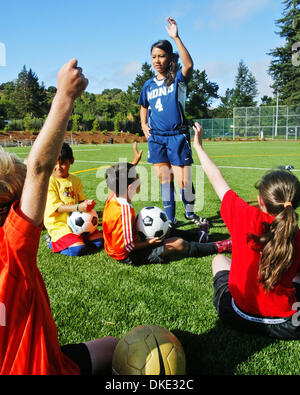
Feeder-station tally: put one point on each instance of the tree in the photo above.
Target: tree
(96, 125)
(285, 66)
(245, 89)
(30, 98)
(146, 73)
(200, 94)
(75, 122)
(7, 100)
(225, 109)
(268, 101)
(134, 90)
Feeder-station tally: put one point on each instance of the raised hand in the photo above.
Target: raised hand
(198, 135)
(172, 28)
(70, 81)
(137, 154)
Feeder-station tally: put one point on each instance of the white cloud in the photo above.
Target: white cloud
(237, 10)
(264, 80)
(224, 75)
(130, 69)
(115, 78)
(176, 10)
(199, 24)
(219, 70)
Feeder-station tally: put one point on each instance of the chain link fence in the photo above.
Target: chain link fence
(264, 122)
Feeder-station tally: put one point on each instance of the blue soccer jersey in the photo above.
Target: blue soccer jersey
(165, 104)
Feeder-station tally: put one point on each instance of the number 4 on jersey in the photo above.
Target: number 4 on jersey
(158, 105)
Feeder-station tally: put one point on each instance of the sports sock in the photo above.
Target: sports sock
(188, 199)
(168, 199)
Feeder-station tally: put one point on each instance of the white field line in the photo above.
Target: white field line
(146, 163)
(221, 167)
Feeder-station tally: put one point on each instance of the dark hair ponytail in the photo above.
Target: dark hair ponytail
(173, 67)
(280, 192)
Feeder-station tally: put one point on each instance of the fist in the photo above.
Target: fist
(70, 81)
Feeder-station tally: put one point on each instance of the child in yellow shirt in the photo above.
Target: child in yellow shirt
(65, 195)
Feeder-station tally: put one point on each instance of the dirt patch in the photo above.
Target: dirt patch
(77, 137)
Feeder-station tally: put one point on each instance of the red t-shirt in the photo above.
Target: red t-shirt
(28, 334)
(249, 295)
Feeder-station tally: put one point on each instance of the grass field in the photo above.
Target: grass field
(94, 296)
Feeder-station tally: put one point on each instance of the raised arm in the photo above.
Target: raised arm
(137, 155)
(45, 150)
(211, 170)
(187, 61)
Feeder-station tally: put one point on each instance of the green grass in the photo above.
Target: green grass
(94, 296)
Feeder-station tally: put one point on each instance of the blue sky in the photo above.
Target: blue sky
(111, 39)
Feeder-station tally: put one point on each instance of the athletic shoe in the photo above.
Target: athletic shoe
(173, 224)
(195, 219)
(224, 246)
(203, 233)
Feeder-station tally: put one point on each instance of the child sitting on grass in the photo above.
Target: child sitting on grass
(29, 342)
(65, 195)
(258, 289)
(121, 240)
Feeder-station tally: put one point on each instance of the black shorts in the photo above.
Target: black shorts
(145, 256)
(79, 354)
(230, 314)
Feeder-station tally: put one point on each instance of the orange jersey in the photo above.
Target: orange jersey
(119, 232)
(28, 334)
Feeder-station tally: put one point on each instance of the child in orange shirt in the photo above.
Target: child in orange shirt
(121, 240)
(28, 334)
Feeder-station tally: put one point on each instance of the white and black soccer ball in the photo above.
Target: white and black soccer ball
(152, 222)
(83, 223)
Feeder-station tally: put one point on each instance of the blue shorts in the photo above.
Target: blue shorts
(170, 147)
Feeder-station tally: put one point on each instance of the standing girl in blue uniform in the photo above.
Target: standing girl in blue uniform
(162, 103)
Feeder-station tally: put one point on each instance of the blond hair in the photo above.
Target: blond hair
(12, 177)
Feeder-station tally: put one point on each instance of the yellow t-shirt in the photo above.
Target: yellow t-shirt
(61, 191)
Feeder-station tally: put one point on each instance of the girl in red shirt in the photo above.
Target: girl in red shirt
(258, 289)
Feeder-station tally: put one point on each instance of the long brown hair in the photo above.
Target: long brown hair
(173, 66)
(280, 192)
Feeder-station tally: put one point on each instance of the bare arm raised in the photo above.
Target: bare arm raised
(45, 150)
(187, 68)
(210, 168)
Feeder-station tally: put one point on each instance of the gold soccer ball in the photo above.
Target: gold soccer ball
(149, 350)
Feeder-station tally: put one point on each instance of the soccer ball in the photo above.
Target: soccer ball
(152, 222)
(83, 223)
(149, 350)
